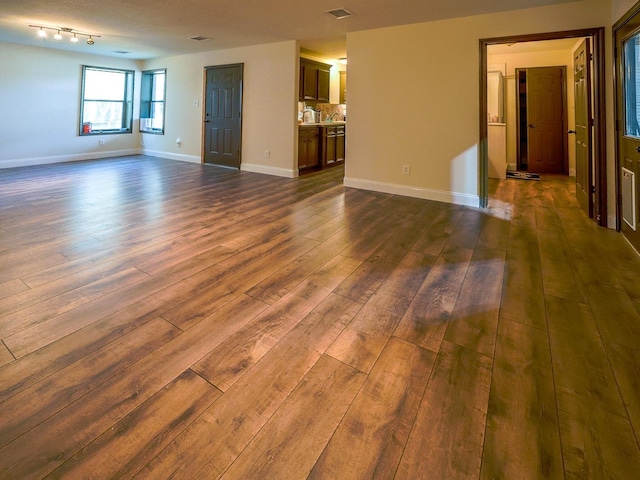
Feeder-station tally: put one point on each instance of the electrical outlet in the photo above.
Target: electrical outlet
(101, 142)
(406, 170)
(267, 154)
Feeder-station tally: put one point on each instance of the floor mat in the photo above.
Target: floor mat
(524, 175)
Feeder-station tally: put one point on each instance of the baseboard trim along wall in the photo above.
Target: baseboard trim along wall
(172, 156)
(277, 171)
(416, 192)
(76, 157)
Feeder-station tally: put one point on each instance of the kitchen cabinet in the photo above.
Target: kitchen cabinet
(333, 144)
(308, 147)
(314, 81)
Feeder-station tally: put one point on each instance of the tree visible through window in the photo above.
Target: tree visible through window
(107, 101)
(152, 101)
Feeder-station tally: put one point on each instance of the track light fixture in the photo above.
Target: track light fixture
(42, 33)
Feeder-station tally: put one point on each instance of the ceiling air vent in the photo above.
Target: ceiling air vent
(339, 13)
(198, 38)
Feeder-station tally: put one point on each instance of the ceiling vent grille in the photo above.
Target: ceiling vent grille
(198, 38)
(339, 13)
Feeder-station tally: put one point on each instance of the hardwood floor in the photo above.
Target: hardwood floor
(162, 320)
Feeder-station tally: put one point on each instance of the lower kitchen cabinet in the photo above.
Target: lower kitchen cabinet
(333, 145)
(320, 146)
(308, 147)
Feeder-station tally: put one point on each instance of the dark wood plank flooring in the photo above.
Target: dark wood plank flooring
(168, 320)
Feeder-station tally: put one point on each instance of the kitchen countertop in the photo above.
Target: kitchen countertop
(322, 124)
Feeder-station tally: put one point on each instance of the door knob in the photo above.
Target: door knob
(638, 149)
(531, 125)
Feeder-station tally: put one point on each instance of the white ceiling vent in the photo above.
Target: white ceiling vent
(339, 13)
(198, 38)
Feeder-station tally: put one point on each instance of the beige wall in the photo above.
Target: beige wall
(619, 8)
(551, 58)
(269, 106)
(413, 98)
(40, 104)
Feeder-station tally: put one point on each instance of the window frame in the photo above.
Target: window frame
(147, 102)
(127, 102)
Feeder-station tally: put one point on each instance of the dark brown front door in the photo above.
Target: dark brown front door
(627, 41)
(584, 122)
(223, 115)
(545, 120)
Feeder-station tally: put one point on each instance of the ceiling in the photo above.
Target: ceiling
(141, 29)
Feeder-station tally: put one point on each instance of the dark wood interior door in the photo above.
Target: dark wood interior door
(627, 41)
(545, 120)
(223, 115)
(584, 124)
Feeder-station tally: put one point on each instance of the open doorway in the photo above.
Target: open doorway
(596, 164)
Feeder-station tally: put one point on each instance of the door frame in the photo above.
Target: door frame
(203, 143)
(599, 162)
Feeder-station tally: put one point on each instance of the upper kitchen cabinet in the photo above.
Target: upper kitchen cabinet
(314, 81)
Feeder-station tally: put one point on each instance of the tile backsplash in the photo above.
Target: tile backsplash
(326, 110)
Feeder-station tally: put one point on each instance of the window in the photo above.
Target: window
(152, 101)
(107, 101)
(632, 85)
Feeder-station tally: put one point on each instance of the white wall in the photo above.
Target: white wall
(269, 106)
(40, 104)
(413, 98)
(556, 58)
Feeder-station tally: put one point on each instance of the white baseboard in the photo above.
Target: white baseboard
(416, 192)
(76, 157)
(172, 156)
(277, 171)
(611, 221)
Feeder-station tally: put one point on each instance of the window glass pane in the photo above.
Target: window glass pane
(632, 85)
(157, 115)
(103, 85)
(158, 87)
(103, 115)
